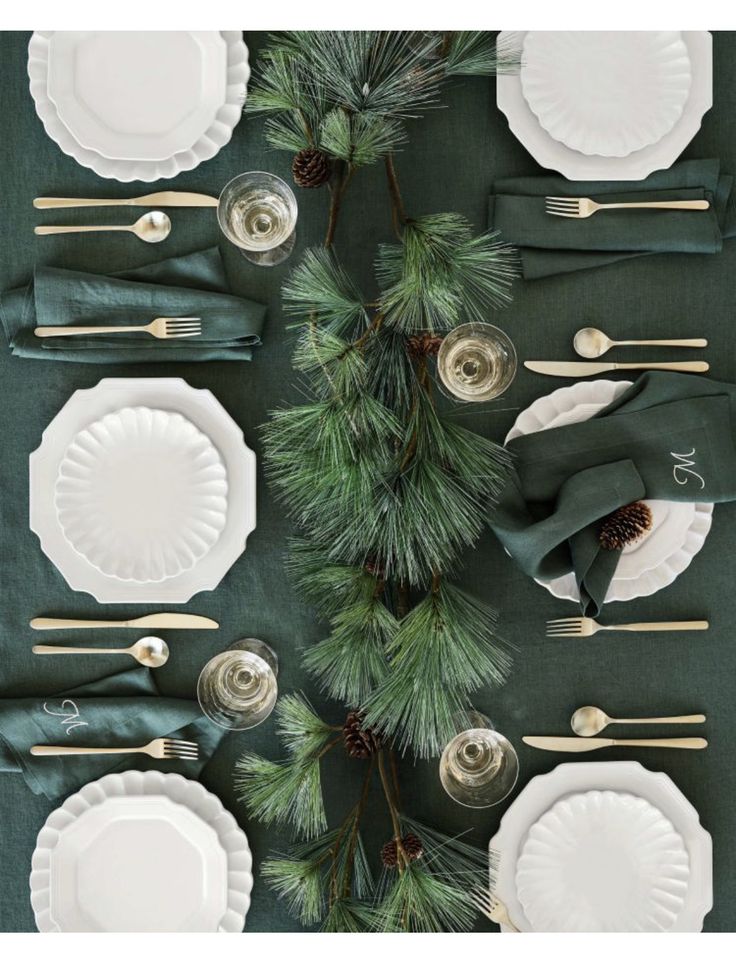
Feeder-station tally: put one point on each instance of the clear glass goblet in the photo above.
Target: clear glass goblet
(257, 212)
(479, 767)
(237, 689)
(476, 362)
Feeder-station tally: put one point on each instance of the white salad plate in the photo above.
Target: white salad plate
(141, 852)
(139, 105)
(553, 154)
(137, 95)
(603, 846)
(141, 494)
(679, 529)
(143, 490)
(606, 93)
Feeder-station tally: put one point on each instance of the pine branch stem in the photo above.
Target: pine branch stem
(360, 807)
(402, 858)
(398, 212)
(337, 191)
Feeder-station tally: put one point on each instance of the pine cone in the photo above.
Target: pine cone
(360, 742)
(412, 847)
(424, 345)
(311, 168)
(625, 525)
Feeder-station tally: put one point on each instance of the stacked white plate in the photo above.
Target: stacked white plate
(679, 529)
(607, 104)
(603, 847)
(139, 105)
(143, 490)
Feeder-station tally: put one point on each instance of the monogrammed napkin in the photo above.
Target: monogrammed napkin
(669, 436)
(121, 710)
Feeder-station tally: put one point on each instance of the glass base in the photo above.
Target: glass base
(271, 257)
(257, 647)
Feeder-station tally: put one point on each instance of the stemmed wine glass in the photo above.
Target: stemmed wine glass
(476, 362)
(258, 212)
(479, 767)
(237, 689)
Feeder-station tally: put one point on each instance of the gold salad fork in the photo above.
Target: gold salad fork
(161, 748)
(492, 908)
(582, 207)
(585, 627)
(162, 328)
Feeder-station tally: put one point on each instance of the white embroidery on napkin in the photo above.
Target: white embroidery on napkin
(684, 468)
(71, 718)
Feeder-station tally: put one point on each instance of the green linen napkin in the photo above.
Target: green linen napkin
(120, 710)
(191, 285)
(554, 244)
(669, 436)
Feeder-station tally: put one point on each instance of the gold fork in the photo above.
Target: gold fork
(162, 328)
(582, 207)
(585, 627)
(490, 906)
(160, 748)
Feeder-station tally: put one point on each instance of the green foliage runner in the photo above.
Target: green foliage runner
(386, 490)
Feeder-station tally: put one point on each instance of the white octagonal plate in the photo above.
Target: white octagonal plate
(555, 155)
(69, 502)
(141, 852)
(563, 799)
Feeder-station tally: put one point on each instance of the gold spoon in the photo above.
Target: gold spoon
(591, 343)
(152, 227)
(150, 651)
(590, 720)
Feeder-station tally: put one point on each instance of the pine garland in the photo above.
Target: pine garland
(386, 490)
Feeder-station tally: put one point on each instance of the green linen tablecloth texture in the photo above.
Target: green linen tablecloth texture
(556, 244)
(194, 285)
(122, 710)
(668, 437)
(453, 158)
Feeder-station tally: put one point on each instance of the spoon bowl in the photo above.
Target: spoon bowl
(589, 721)
(150, 651)
(152, 227)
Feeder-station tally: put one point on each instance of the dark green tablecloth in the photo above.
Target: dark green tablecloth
(451, 162)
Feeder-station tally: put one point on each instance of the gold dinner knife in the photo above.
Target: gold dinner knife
(163, 619)
(577, 370)
(550, 743)
(166, 198)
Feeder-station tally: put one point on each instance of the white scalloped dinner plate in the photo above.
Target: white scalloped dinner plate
(203, 146)
(606, 92)
(565, 846)
(679, 529)
(141, 852)
(574, 165)
(615, 854)
(142, 490)
(141, 494)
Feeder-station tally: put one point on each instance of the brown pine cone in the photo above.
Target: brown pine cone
(360, 742)
(311, 168)
(424, 345)
(411, 845)
(625, 525)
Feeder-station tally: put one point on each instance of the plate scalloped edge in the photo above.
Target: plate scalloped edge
(180, 790)
(147, 171)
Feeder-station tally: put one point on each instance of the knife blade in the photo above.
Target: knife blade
(165, 198)
(577, 370)
(576, 745)
(162, 619)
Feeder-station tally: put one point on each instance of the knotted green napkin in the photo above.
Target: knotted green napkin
(554, 244)
(191, 285)
(121, 710)
(669, 436)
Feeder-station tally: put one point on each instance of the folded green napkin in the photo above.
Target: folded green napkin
(555, 244)
(669, 436)
(192, 285)
(121, 710)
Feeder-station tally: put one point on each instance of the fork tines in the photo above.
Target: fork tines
(566, 627)
(185, 750)
(562, 206)
(182, 328)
